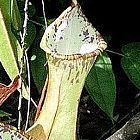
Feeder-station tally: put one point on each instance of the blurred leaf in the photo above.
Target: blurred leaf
(49, 21)
(8, 120)
(107, 38)
(31, 33)
(131, 62)
(100, 84)
(10, 48)
(31, 9)
(15, 16)
(4, 114)
(10, 51)
(38, 69)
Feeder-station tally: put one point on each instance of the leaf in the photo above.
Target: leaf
(49, 21)
(10, 51)
(37, 66)
(31, 33)
(100, 84)
(15, 16)
(131, 62)
(31, 9)
(6, 91)
(10, 48)
(4, 114)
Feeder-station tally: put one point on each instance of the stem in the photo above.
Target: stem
(24, 59)
(41, 99)
(129, 131)
(44, 15)
(29, 83)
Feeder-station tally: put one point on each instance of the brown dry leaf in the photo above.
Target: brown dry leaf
(6, 91)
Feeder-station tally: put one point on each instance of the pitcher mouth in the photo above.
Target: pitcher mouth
(94, 53)
(71, 36)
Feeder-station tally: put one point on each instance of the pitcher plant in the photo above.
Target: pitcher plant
(72, 45)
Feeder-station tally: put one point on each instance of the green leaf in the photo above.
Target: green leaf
(49, 21)
(31, 33)
(4, 114)
(31, 9)
(10, 50)
(9, 46)
(15, 16)
(131, 62)
(101, 86)
(37, 65)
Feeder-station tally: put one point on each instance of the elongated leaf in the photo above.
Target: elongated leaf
(16, 21)
(100, 84)
(131, 62)
(10, 51)
(37, 65)
(4, 114)
(31, 9)
(9, 47)
(38, 69)
(31, 33)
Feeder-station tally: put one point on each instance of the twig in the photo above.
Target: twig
(129, 131)
(124, 119)
(19, 107)
(115, 52)
(23, 59)
(25, 23)
(29, 84)
(43, 7)
(39, 24)
(34, 103)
